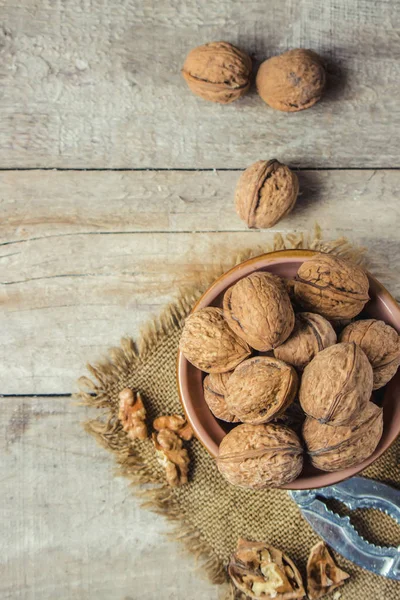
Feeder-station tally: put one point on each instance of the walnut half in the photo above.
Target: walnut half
(323, 575)
(132, 414)
(264, 572)
(172, 456)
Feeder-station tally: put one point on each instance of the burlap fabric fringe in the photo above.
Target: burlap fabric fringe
(209, 514)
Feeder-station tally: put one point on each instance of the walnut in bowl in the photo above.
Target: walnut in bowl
(286, 264)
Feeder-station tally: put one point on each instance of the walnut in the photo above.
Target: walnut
(311, 334)
(262, 571)
(266, 192)
(292, 81)
(260, 388)
(337, 384)
(214, 395)
(209, 343)
(172, 456)
(381, 344)
(218, 72)
(260, 456)
(132, 414)
(335, 448)
(323, 575)
(258, 309)
(174, 423)
(331, 287)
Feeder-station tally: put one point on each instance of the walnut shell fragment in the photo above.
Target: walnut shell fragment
(292, 81)
(260, 388)
(218, 72)
(335, 448)
(132, 414)
(323, 575)
(332, 287)
(260, 456)
(174, 423)
(381, 344)
(258, 310)
(311, 334)
(262, 571)
(337, 384)
(209, 343)
(266, 192)
(172, 456)
(214, 386)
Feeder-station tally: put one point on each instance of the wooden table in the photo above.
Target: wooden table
(116, 187)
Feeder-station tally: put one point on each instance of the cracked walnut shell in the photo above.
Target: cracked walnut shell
(260, 456)
(262, 571)
(209, 343)
(214, 386)
(323, 575)
(266, 192)
(292, 81)
(218, 72)
(381, 344)
(311, 334)
(260, 388)
(258, 310)
(172, 456)
(132, 414)
(335, 448)
(332, 287)
(337, 384)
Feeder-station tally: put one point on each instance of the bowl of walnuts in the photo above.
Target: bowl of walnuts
(287, 370)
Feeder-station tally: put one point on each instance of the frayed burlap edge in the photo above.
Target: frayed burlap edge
(94, 392)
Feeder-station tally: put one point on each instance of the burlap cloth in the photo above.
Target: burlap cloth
(210, 514)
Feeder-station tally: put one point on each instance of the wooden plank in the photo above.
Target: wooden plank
(97, 84)
(71, 530)
(77, 276)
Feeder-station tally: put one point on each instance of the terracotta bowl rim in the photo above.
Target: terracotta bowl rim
(271, 256)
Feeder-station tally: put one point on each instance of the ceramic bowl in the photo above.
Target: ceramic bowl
(210, 430)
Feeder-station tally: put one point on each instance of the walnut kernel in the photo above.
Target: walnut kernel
(172, 456)
(323, 575)
(174, 423)
(132, 414)
(262, 571)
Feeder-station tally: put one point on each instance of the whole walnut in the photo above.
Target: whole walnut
(262, 571)
(209, 343)
(214, 386)
(218, 72)
(381, 344)
(260, 388)
(311, 334)
(266, 192)
(258, 309)
(337, 384)
(292, 81)
(260, 456)
(332, 287)
(335, 448)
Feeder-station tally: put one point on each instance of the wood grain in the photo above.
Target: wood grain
(97, 84)
(89, 257)
(70, 530)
